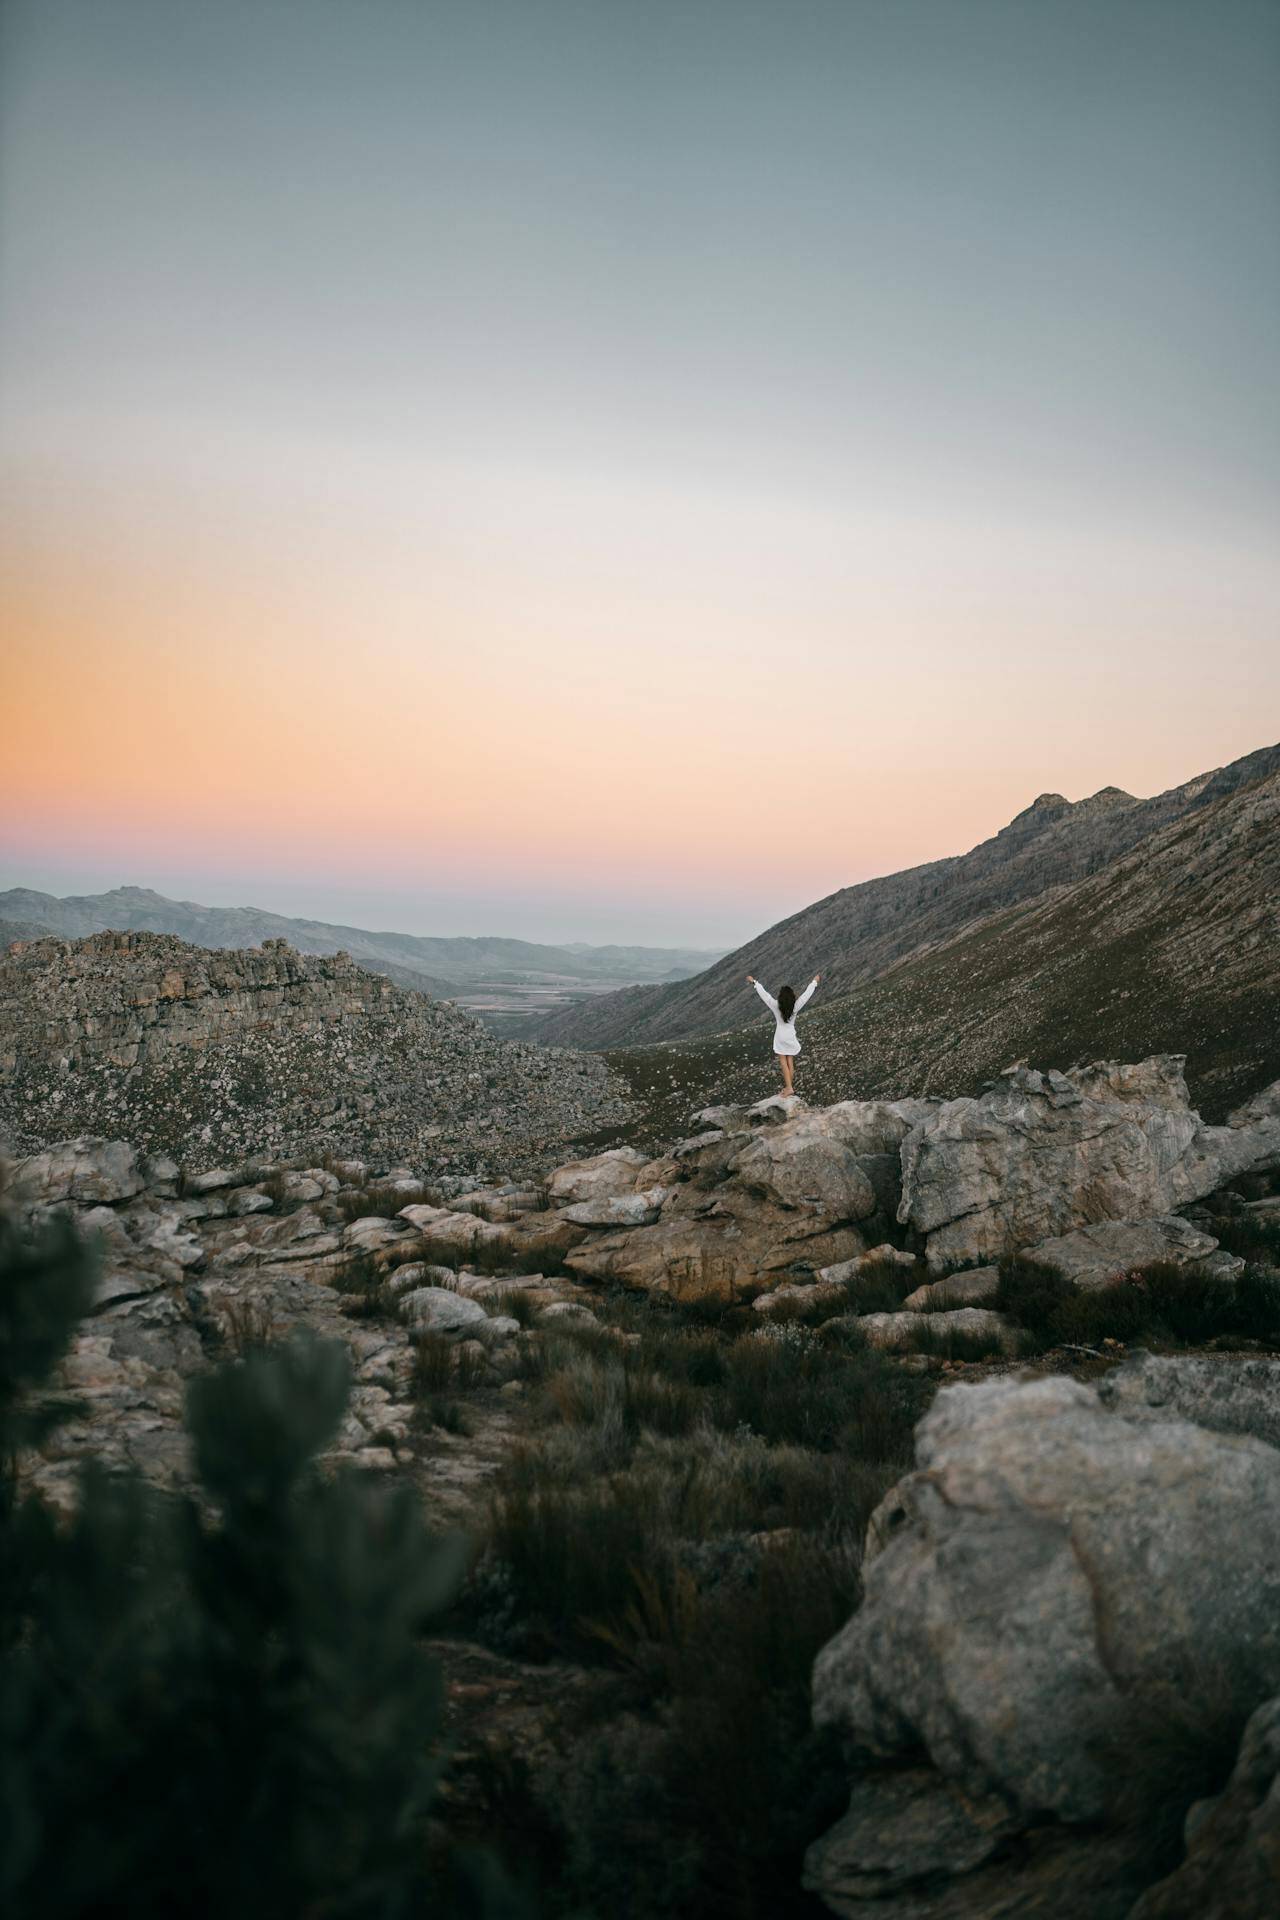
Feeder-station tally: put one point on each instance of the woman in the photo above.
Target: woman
(784, 1010)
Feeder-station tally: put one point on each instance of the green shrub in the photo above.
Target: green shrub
(733, 1769)
(516, 1302)
(1255, 1240)
(787, 1386)
(222, 1697)
(1164, 1303)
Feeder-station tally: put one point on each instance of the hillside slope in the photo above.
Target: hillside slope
(855, 935)
(209, 1056)
(1173, 948)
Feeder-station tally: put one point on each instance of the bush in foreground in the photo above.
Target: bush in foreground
(216, 1704)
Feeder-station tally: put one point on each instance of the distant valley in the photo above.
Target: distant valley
(506, 983)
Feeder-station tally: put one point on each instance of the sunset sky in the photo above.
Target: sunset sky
(623, 469)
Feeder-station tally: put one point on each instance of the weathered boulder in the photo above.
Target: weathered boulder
(85, 1171)
(1049, 1569)
(1232, 1865)
(815, 1295)
(802, 1164)
(617, 1209)
(437, 1310)
(905, 1332)
(878, 1126)
(722, 1248)
(875, 1257)
(976, 1287)
(1093, 1256)
(1226, 1392)
(902, 1828)
(1041, 1154)
(595, 1179)
(528, 1241)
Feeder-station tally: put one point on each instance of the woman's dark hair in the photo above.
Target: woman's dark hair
(786, 1001)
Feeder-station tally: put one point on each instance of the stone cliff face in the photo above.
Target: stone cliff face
(213, 1053)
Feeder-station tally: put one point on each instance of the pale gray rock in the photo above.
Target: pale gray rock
(160, 1174)
(1093, 1256)
(561, 1310)
(877, 1126)
(1262, 1107)
(903, 1332)
(213, 1181)
(596, 1178)
(884, 1256)
(498, 1328)
(779, 1107)
(1042, 1154)
(85, 1171)
(373, 1234)
(437, 1310)
(247, 1200)
(1226, 1392)
(618, 1209)
(815, 1294)
(1048, 1569)
(720, 1120)
(800, 1163)
(976, 1287)
(901, 1829)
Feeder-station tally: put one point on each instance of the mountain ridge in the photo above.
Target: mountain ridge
(1172, 948)
(856, 934)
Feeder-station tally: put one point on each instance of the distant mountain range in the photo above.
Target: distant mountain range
(1111, 925)
(498, 977)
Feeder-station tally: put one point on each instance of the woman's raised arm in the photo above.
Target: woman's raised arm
(765, 994)
(807, 995)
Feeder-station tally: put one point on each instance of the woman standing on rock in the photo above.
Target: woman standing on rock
(784, 1010)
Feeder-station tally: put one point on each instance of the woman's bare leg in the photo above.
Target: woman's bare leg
(788, 1072)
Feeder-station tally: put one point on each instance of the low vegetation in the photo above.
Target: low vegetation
(688, 1510)
(1160, 1305)
(224, 1698)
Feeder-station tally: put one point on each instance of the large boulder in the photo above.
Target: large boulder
(639, 1209)
(438, 1310)
(1049, 1571)
(531, 1240)
(908, 1332)
(725, 1248)
(1041, 1154)
(1226, 1392)
(801, 1164)
(1094, 1256)
(598, 1178)
(976, 1287)
(87, 1172)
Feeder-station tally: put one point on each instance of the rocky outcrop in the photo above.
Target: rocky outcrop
(1061, 1167)
(189, 1268)
(759, 1197)
(1042, 1155)
(1094, 1256)
(1052, 1574)
(216, 1055)
(1225, 1392)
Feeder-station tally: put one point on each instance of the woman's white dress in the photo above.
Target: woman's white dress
(784, 1032)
